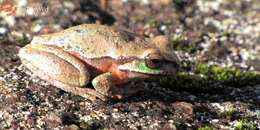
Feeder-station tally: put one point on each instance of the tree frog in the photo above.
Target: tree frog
(112, 59)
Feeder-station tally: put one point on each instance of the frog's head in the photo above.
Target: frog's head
(159, 59)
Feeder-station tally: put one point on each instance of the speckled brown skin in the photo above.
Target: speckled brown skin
(111, 57)
(95, 41)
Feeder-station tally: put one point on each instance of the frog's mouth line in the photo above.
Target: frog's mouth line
(140, 75)
(141, 68)
(132, 74)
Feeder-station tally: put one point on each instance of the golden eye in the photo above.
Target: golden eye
(153, 61)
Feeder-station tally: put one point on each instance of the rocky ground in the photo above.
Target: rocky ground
(218, 42)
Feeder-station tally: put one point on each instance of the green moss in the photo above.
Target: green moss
(228, 76)
(181, 44)
(245, 125)
(151, 21)
(89, 125)
(182, 81)
(23, 40)
(205, 128)
(85, 125)
(209, 77)
(228, 114)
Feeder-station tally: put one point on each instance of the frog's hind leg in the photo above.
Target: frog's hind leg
(58, 68)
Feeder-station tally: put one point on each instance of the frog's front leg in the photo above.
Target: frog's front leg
(105, 84)
(59, 68)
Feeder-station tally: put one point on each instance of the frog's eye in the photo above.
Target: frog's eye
(153, 61)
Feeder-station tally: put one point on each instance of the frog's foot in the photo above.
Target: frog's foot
(105, 84)
(58, 68)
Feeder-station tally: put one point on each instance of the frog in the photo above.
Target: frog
(99, 61)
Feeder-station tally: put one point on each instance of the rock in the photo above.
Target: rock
(255, 63)
(72, 127)
(257, 99)
(8, 119)
(183, 110)
(3, 32)
(169, 126)
(68, 118)
(3, 87)
(53, 120)
(162, 2)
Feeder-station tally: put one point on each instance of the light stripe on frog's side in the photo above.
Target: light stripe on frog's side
(139, 66)
(144, 69)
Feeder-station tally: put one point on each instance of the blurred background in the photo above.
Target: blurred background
(224, 34)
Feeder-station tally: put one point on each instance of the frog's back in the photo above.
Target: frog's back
(92, 40)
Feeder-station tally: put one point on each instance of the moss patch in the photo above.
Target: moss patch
(180, 43)
(205, 128)
(228, 76)
(228, 114)
(209, 77)
(151, 21)
(245, 125)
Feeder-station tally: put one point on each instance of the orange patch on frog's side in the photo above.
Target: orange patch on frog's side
(104, 65)
(121, 77)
